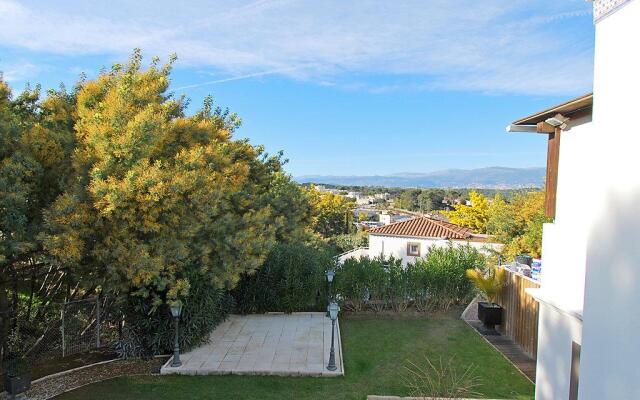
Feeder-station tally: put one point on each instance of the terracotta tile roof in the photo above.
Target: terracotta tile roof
(424, 227)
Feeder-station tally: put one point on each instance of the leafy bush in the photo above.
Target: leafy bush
(291, 279)
(357, 281)
(436, 282)
(149, 330)
(350, 241)
(439, 280)
(372, 283)
(398, 286)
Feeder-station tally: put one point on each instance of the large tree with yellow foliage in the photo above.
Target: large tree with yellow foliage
(160, 197)
(36, 143)
(331, 213)
(517, 223)
(118, 190)
(474, 216)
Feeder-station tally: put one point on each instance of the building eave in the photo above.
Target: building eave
(573, 109)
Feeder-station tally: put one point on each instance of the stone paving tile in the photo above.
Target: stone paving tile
(228, 365)
(270, 344)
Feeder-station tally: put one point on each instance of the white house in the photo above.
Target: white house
(411, 239)
(386, 218)
(589, 319)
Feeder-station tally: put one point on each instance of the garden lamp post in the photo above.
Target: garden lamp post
(333, 314)
(176, 310)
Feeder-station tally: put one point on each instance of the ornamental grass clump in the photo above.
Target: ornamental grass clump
(441, 380)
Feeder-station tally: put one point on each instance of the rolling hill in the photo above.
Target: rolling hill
(483, 178)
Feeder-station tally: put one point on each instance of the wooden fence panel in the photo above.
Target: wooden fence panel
(520, 318)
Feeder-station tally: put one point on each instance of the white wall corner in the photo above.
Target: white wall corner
(604, 8)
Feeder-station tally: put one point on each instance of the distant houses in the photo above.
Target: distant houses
(359, 198)
(388, 218)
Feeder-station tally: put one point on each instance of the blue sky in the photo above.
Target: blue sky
(344, 88)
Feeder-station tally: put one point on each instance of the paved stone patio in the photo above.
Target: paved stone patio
(266, 344)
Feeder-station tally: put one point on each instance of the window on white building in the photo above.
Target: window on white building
(413, 249)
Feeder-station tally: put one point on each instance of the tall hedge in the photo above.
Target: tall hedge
(441, 276)
(149, 330)
(435, 282)
(292, 279)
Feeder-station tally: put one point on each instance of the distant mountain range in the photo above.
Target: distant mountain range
(481, 178)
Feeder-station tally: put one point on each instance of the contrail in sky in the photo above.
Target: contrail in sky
(236, 78)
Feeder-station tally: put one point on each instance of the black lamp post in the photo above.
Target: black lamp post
(333, 314)
(176, 311)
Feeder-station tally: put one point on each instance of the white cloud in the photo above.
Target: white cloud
(516, 46)
(13, 72)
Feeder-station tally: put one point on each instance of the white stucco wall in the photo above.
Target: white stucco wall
(564, 250)
(611, 327)
(397, 246)
(564, 243)
(556, 332)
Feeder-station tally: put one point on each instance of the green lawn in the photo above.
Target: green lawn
(375, 351)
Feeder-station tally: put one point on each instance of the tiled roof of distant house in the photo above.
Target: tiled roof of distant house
(424, 227)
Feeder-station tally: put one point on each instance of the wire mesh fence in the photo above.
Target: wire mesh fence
(87, 324)
(69, 328)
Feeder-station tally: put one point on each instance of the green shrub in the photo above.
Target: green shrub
(372, 283)
(435, 282)
(149, 330)
(291, 279)
(349, 241)
(418, 286)
(398, 285)
(439, 280)
(356, 282)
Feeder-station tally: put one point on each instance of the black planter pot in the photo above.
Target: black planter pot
(490, 314)
(17, 384)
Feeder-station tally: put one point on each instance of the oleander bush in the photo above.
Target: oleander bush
(149, 330)
(440, 279)
(292, 279)
(435, 282)
(359, 282)
(398, 286)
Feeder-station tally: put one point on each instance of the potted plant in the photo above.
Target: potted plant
(489, 282)
(17, 377)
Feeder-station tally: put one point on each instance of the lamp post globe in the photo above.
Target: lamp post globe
(330, 274)
(176, 311)
(334, 309)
